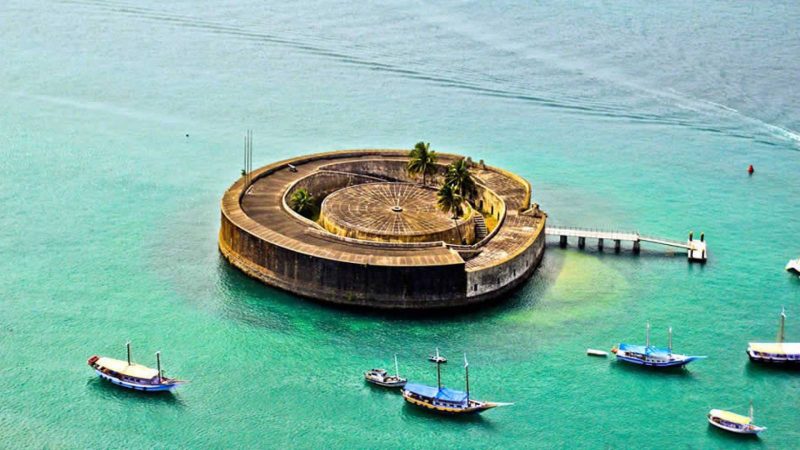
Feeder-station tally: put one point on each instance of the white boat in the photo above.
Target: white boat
(779, 352)
(133, 376)
(593, 352)
(793, 266)
(382, 378)
(437, 358)
(733, 422)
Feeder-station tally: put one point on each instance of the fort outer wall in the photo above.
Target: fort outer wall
(390, 276)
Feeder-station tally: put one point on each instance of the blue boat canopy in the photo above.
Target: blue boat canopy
(445, 394)
(641, 349)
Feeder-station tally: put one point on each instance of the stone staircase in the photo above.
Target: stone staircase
(480, 227)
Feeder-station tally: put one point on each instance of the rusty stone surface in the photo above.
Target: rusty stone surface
(390, 212)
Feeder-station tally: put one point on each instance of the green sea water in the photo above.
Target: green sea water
(121, 125)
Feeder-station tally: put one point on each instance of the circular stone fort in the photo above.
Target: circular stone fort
(378, 237)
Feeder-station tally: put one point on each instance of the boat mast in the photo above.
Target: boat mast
(466, 374)
(670, 340)
(647, 335)
(781, 335)
(158, 365)
(438, 369)
(751, 411)
(128, 346)
(396, 366)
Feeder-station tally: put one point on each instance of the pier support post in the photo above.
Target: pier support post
(600, 244)
(636, 247)
(581, 242)
(617, 245)
(563, 242)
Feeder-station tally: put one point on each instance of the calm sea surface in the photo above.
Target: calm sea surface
(622, 114)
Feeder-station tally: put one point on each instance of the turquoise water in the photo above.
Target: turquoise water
(627, 115)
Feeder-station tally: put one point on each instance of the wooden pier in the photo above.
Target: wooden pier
(695, 249)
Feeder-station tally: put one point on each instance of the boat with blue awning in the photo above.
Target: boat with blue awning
(445, 400)
(652, 356)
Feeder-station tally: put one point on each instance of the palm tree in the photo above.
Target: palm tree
(422, 160)
(450, 201)
(303, 202)
(459, 177)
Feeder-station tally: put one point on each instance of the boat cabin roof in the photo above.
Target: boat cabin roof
(645, 350)
(776, 348)
(445, 394)
(130, 370)
(730, 417)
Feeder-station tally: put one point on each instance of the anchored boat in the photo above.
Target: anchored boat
(733, 422)
(382, 378)
(445, 400)
(437, 358)
(779, 352)
(651, 356)
(133, 376)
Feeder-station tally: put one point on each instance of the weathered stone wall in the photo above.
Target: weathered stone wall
(506, 275)
(342, 282)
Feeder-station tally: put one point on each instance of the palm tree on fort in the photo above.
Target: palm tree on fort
(303, 202)
(450, 201)
(459, 177)
(422, 160)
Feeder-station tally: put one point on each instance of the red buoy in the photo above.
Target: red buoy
(750, 169)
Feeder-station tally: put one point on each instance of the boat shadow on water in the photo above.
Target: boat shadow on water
(762, 368)
(108, 390)
(718, 434)
(415, 412)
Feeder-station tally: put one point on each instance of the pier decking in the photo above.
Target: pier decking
(695, 249)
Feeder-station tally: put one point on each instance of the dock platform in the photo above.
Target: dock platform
(696, 250)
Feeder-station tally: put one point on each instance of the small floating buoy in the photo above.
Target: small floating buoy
(750, 169)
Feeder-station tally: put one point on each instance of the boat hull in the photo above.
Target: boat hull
(749, 431)
(656, 364)
(135, 386)
(474, 408)
(391, 384)
(774, 360)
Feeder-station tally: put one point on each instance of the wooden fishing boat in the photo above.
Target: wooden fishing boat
(779, 352)
(651, 356)
(133, 376)
(381, 378)
(437, 358)
(733, 422)
(444, 400)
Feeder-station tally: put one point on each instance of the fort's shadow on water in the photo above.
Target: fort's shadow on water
(108, 390)
(276, 305)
